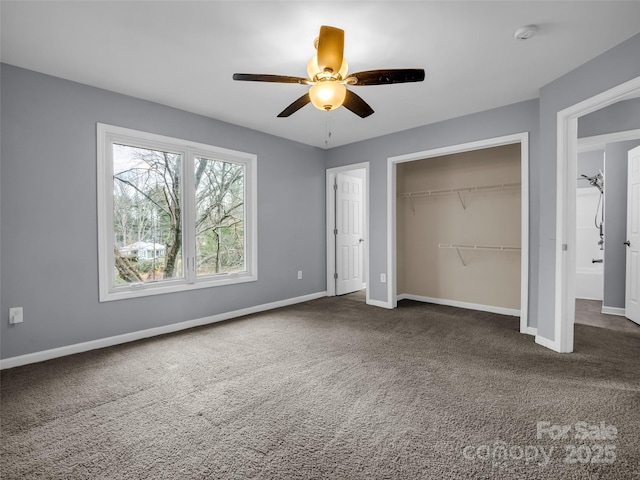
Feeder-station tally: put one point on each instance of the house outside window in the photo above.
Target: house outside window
(173, 215)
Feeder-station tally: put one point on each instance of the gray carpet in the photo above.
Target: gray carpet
(331, 389)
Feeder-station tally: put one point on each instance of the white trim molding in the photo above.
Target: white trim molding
(545, 342)
(621, 312)
(378, 303)
(330, 221)
(566, 168)
(392, 162)
(108, 137)
(513, 312)
(599, 142)
(43, 355)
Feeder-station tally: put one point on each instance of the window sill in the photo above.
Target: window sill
(148, 289)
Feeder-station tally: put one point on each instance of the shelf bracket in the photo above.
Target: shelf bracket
(460, 256)
(413, 208)
(464, 207)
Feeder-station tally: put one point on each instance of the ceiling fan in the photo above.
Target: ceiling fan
(328, 78)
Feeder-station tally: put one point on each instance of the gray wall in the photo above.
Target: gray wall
(520, 117)
(615, 222)
(616, 66)
(48, 201)
(49, 225)
(589, 163)
(619, 117)
(610, 69)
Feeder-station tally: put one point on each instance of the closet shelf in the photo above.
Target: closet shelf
(460, 246)
(459, 191)
(501, 248)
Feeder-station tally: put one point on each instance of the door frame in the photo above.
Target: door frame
(599, 142)
(567, 171)
(392, 162)
(331, 221)
(628, 308)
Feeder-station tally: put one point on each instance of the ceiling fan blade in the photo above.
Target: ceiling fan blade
(386, 77)
(330, 48)
(295, 106)
(357, 105)
(259, 77)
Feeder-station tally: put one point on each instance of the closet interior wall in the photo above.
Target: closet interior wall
(459, 227)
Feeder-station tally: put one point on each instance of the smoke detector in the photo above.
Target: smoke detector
(526, 32)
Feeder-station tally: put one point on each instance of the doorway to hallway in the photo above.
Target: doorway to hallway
(347, 229)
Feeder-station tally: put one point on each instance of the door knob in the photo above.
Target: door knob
(627, 243)
(361, 240)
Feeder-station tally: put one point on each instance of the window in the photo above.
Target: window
(173, 215)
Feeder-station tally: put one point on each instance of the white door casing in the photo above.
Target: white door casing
(632, 294)
(350, 235)
(566, 170)
(392, 162)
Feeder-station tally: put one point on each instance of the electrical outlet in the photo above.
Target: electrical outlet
(15, 315)
(383, 278)
(299, 274)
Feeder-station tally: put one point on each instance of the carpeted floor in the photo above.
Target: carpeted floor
(333, 389)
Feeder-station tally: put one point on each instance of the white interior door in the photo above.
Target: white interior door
(349, 234)
(632, 301)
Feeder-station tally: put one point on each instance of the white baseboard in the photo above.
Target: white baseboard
(455, 303)
(378, 303)
(151, 332)
(529, 330)
(550, 344)
(613, 311)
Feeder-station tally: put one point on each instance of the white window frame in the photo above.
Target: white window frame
(107, 135)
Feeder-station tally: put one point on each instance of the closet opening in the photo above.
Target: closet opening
(459, 227)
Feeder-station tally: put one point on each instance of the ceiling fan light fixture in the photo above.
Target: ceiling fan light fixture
(327, 95)
(328, 78)
(313, 69)
(344, 68)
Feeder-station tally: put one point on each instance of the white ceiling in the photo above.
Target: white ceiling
(184, 53)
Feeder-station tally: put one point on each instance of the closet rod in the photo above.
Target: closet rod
(460, 246)
(443, 191)
(496, 248)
